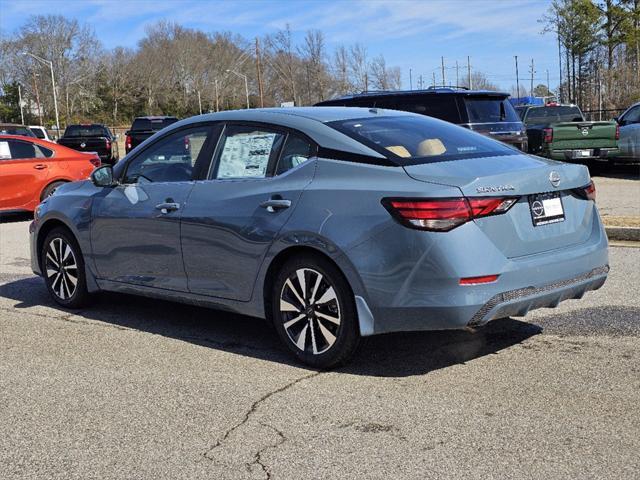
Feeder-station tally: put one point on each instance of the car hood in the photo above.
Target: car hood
(517, 174)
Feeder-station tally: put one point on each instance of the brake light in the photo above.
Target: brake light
(128, 142)
(548, 135)
(444, 214)
(95, 161)
(108, 144)
(590, 191)
(617, 132)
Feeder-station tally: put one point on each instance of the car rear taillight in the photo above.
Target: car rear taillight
(590, 191)
(548, 135)
(128, 142)
(107, 144)
(617, 132)
(95, 161)
(444, 214)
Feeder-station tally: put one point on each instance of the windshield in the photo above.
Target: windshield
(553, 115)
(154, 124)
(414, 140)
(85, 131)
(490, 110)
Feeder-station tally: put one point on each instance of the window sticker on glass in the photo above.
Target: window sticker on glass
(246, 155)
(5, 153)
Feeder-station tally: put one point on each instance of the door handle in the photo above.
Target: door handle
(276, 204)
(40, 166)
(167, 207)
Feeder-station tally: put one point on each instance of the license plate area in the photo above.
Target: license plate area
(582, 153)
(546, 208)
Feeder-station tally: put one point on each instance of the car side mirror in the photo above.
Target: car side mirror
(103, 176)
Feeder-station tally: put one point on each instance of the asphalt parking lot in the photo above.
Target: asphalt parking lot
(138, 388)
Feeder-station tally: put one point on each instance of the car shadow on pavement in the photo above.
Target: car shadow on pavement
(625, 171)
(390, 355)
(16, 217)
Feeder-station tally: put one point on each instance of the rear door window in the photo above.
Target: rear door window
(18, 150)
(442, 106)
(247, 152)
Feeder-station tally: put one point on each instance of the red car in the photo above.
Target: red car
(31, 169)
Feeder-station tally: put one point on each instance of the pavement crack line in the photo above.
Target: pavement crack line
(257, 459)
(254, 407)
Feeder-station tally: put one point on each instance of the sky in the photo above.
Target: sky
(411, 34)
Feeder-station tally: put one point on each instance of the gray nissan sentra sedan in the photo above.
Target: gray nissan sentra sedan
(333, 223)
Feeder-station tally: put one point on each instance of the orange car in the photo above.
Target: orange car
(31, 170)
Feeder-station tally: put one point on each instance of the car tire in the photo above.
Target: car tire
(62, 264)
(314, 313)
(50, 189)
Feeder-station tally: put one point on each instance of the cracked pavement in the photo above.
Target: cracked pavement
(139, 388)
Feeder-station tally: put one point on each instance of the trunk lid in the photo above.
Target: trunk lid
(521, 176)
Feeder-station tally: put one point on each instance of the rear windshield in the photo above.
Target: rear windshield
(85, 131)
(553, 115)
(490, 110)
(155, 124)
(415, 140)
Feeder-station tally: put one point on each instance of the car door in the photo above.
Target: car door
(234, 214)
(135, 231)
(630, 133)
(24, 169)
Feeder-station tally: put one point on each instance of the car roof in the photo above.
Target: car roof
(155, 117)
(429, 91)
(312, 121)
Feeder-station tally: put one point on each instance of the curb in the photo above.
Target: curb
(628, 234)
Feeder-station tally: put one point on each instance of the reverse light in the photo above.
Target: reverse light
(548, 135)
(478, 280)
(590, 191)
(444, 214)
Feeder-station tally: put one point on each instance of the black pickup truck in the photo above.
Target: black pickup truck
(143, 128)
(92, 137)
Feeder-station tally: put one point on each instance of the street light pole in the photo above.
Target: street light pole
(53, 85)
(20, 102)
(246, 84)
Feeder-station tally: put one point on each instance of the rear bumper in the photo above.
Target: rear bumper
(519, 302)
(568, 155)
(424, 293)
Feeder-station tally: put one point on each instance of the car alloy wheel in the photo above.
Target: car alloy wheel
(61, 268)
(310, 311)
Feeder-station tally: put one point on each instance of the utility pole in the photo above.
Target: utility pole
(35, 88)
(517, 80)
(559, 64)
(20, 103)
(443, 80)
(469, 71)
(410, 80)
(199, 102)
(532, 72)
(215, 83)
(53, 85)
(548, 89)
(457, 79)
(260, 90)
